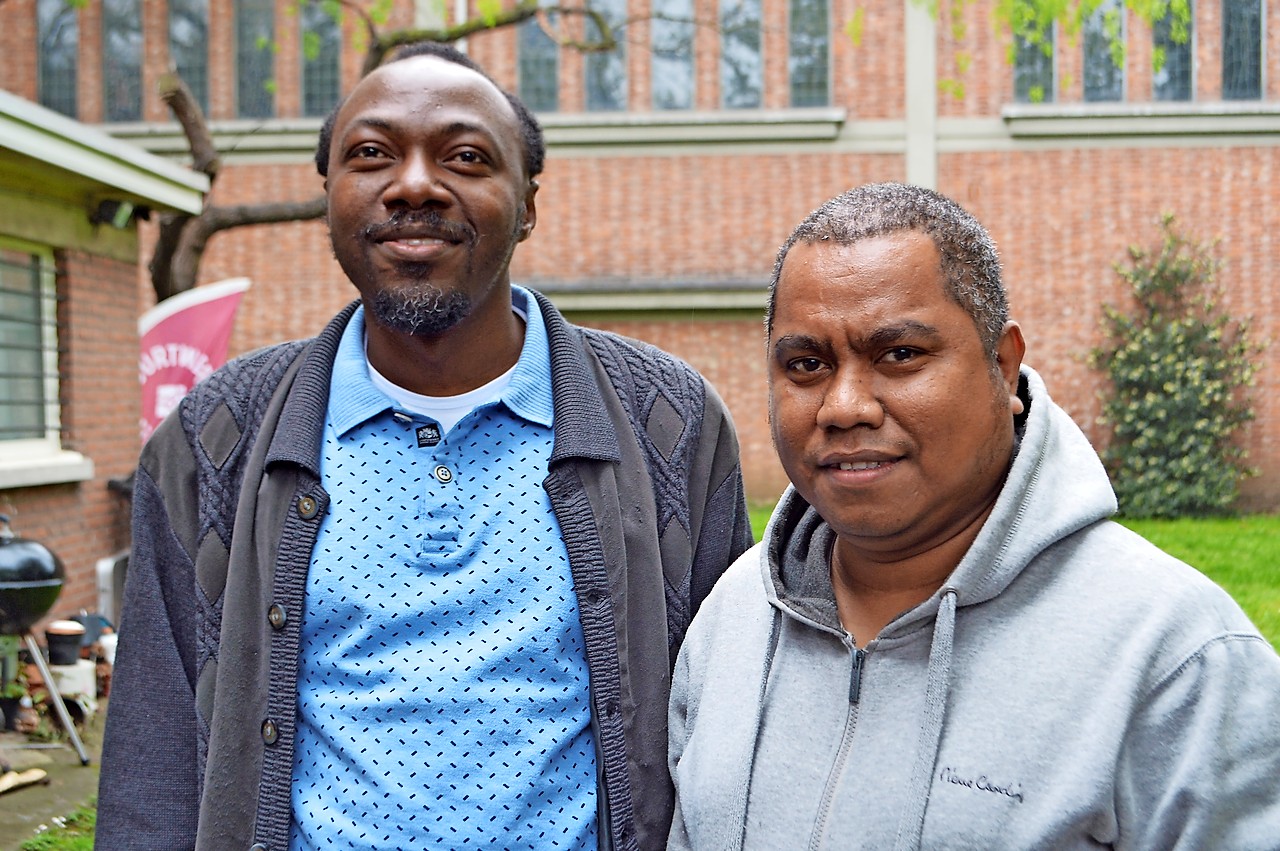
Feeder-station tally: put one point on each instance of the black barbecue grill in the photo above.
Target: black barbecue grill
(31, 578)
(30, 581)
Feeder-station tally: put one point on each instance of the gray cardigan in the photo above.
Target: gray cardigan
(644, 480)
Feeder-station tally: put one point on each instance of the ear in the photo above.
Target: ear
(1009, 351)
(530, 211)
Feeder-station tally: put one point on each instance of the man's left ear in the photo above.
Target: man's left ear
(530, 211)
(1009, 351)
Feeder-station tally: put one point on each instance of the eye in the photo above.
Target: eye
(366, 152)
(900, 354)
(469, 160)
(805, 367)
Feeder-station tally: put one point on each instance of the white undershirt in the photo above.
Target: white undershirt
(446, 410)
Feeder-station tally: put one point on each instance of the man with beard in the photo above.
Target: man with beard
(419, 581)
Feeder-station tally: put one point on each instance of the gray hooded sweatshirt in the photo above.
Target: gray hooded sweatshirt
(1070, 686)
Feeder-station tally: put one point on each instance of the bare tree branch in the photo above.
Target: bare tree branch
(195, 233)
(182, 103)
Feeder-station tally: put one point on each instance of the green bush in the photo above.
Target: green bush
(1179, 370)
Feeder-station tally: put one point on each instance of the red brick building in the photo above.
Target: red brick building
(69, 330)
(680, 162)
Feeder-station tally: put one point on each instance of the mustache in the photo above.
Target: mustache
(424, 219)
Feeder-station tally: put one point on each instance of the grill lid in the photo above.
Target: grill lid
(31, 578)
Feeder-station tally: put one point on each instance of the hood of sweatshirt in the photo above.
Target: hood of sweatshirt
(1056, 486)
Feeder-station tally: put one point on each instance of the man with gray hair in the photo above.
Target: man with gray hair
(943, 641)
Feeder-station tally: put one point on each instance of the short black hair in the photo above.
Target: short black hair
(535, 149)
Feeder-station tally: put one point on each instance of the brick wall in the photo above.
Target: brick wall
(98, 374)
(1062, 214)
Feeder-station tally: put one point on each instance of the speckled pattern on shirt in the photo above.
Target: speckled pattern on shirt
(443, 696)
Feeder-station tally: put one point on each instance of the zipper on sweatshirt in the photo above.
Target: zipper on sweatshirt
(855, 675)
(856, 662)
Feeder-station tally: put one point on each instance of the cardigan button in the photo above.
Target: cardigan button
(308, 507)
(270, 732)
(277, 616)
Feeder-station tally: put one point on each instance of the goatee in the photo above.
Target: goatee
(420, 309)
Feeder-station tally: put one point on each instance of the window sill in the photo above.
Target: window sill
(294, 139)
(1217, 118)
(689, 126)
(51, 468)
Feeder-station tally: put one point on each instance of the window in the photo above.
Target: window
(255, 42)
(672, 68)
(607, 72)
(741, 70)
(1033, 69)
(28, 348)
(1172, 53)
(539, 67)
(1103, 47)
(58, 39)
(122, 60)
(321, 59)
(189, 45)
(1241, 49)
(808, 64)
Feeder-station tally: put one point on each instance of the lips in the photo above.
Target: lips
(860, 465)
(862, 460)
(418, 230)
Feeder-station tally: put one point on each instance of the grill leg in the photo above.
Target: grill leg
(54, 697)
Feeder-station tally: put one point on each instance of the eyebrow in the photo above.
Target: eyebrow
(454, 129)
(878, 339)
(799, 342)
(891, 334)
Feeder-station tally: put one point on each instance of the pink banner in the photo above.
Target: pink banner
(184, 339)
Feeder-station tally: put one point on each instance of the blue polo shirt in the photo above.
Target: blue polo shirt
(442, 694)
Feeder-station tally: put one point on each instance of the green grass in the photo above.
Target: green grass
(1242, 554)
(74, 833)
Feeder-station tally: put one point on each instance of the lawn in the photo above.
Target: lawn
(1242, 554)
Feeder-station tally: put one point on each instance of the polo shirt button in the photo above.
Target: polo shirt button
(308, 507)
(277, 616)
(270, 732)
(443, 474)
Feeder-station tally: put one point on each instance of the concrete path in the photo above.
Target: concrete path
(70, 784)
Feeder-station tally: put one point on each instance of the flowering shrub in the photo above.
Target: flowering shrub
(1179, 370)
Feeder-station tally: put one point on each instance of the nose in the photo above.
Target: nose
(851, 400)
(416, 183)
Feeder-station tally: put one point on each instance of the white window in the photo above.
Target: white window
(30, 419)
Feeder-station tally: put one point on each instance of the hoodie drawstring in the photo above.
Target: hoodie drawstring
(911, 824)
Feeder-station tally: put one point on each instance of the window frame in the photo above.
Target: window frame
(729, 32)
(199, 86)
(309, 67)
(531, 36)
(42, 460)
(1051, 90)
(1260, 46)
(793, 63)
(665, 32)
(1190, 56)
(53, 93)
(262, 104)
(115, 69)
(1093, 37)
